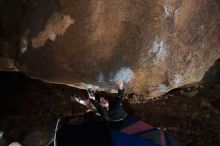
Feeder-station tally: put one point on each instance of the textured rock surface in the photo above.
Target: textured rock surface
(11, 14)
(154, 46)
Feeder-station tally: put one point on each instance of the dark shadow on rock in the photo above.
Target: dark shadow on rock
(212, 76)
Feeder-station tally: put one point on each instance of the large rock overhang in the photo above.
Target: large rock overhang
(154, 46)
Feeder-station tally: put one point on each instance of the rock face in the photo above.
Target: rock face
(11, 14)
(154, 46)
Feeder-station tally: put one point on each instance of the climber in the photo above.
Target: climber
(110, 109)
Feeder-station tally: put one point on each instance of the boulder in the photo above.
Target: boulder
(154, 46)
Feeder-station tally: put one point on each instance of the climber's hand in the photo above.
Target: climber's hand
(119, 84)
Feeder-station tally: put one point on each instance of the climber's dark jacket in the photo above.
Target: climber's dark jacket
(116, 111)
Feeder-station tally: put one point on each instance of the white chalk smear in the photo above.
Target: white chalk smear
(88, 86)
(160, 49)
(166, 11)
(162, 87)
(125, 74)
(100, 78)
(176, 80)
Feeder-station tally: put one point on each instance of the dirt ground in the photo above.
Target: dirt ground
(29, 110)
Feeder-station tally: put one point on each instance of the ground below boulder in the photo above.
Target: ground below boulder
(29, 110)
